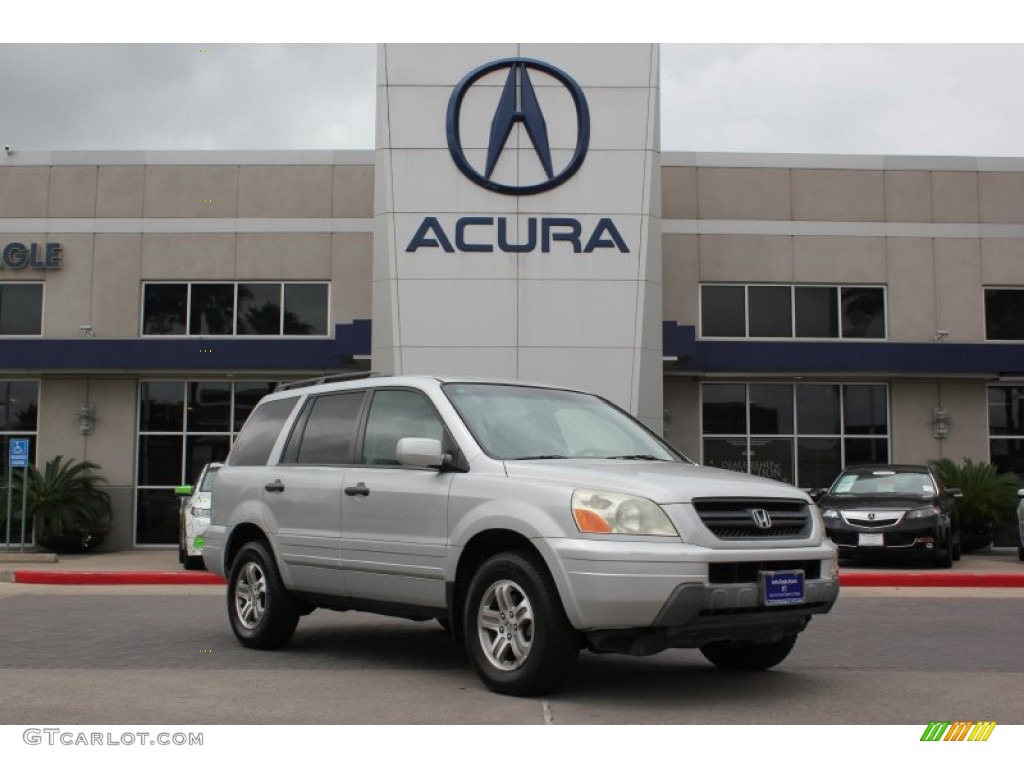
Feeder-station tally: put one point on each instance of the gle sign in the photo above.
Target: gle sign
(33, 256)
(518, 104)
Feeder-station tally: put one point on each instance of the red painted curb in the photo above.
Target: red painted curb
(846, 578)
(116, 577)
(879, 579)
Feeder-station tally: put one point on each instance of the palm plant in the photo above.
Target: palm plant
(989, 498)
(67, 508)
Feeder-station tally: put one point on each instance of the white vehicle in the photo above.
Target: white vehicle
(194, 517)
(532, 521)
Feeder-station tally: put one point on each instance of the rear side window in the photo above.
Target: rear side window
(257, 438)
(329, 431)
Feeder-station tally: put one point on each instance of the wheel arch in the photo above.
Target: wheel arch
(476, 552)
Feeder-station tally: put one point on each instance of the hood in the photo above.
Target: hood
(879, 501)
(664, 482)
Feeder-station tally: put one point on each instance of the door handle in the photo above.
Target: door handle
(275, 487)
(359, 489)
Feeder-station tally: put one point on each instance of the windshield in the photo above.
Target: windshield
(882, 482)
(522, 422)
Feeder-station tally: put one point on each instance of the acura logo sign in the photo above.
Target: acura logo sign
(518, 104)
(761, 518)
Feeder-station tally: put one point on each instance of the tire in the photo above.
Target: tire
(262, 613)
(540, 647)
(944, 559)
(748, 657)
(956, 546)
(193, 563)
(1020, 553)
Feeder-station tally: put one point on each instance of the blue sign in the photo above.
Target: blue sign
(518, 104)
(18, 452)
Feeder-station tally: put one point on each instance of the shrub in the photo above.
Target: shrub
(989, 498)
(67, 508)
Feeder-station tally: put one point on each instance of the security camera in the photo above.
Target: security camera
(7, 149)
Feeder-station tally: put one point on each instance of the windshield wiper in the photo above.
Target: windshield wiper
(543, 456)
(638, 457)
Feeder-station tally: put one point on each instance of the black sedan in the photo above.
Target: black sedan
(891, 511)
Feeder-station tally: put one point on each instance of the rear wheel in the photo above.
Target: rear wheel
(262, 613)
(748, 657)
(517, 635)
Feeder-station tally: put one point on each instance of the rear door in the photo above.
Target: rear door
(303, 493)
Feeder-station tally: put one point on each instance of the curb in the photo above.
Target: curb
(947, 579)
(846, 579)
(115, 577)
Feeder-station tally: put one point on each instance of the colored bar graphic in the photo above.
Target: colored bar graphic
(959, 730)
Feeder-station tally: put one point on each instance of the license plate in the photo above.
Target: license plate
(782, 587)
(871, 539)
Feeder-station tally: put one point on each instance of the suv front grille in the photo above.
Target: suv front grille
(737, 519)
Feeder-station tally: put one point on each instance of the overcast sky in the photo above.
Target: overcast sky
(924, 99)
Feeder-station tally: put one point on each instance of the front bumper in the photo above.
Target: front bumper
(685, 595)
(910, 537)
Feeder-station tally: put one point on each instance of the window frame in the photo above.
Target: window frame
(42, 309)
(837, 288)
(795, 435)
(235, 284)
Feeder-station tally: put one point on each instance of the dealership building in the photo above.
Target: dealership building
(784, 315)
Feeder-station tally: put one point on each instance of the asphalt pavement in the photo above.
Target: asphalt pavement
(991, 567)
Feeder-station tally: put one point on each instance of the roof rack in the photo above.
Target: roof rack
(327, 379)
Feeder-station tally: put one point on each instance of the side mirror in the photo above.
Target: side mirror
(817, 493)
(420, 452)
(183, 490)
(956, 493)
(1020, 493)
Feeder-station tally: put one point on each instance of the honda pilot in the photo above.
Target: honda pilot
(531, 521)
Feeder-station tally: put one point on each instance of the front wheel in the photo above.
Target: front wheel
(517, 635)
(748, 657)
(262, 613)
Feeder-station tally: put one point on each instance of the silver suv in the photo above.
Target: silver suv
(531, 521)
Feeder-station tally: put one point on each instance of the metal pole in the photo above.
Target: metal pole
(10, 482)
(24, 504)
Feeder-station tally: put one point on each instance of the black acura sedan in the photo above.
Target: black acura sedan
(891, 511)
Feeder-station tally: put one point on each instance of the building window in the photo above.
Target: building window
(21, 309)
(234, 309)
(803, 434)
(1006, 428)
(19, 418)
(182, 426)
(1004, 314)
(792, 311)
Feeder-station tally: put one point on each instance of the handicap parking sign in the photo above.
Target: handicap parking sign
(18, 452)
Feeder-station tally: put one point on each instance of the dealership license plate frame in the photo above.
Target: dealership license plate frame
(777, 588)
(870, 539)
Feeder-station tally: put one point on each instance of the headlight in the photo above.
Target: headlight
(925, 512)
(607, 512)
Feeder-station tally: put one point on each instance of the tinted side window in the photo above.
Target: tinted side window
(256, 440)
(396, 414)
(330, 430)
